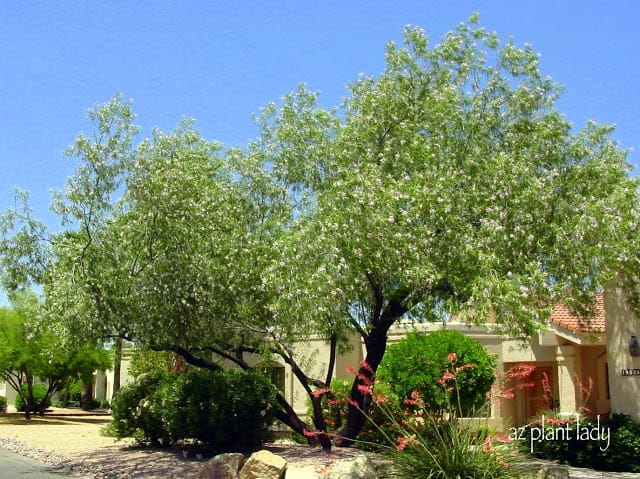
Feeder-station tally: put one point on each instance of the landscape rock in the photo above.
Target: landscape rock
(359, 467)
(553, 471)
(222, 466)
(264, 465)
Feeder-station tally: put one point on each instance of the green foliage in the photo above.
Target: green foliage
(32, 347)
(619, 454)
(419, 361)
(41, 399)
(144, 361)
(449, 182)
(443, 451)
(3, 404)
(225, 411)
(136, 414)
(71, 393)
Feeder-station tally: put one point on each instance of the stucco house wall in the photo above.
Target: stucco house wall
(623, 369)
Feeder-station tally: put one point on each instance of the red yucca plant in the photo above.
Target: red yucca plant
(423, 444)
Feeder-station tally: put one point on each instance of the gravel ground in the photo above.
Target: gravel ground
(72, 441)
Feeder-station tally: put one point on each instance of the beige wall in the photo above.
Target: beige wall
(621, 324)
(9, 393)
(103, 380)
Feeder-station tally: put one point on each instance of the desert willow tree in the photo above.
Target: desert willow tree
(77, 268)
(176, 261)
(202, 223)
(86, 284)
(451, 183)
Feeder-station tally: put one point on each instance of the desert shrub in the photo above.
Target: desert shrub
(417, 362)
(145, 361)
(136, 412)
(73, 393)
(618, 453)
(223, 410)
(3, 404)
(226, 410)
(443, 450)
(39, 396)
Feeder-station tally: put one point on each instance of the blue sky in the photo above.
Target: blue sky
(220, 61)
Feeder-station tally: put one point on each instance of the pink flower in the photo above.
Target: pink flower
(452, 357)
(503, 438)
(404, 441)
(320, 392)
(381, 399)
(366, 366)
(363, 389)
(416, 399)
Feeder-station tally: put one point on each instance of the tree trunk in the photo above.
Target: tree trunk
(288, 416)
(117, 366)
(376, 344)
(29, 399)
(86, 396)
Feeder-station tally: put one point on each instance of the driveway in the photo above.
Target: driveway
(15, 466)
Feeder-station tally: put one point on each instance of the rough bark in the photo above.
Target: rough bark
(376, 344)
(383, 315)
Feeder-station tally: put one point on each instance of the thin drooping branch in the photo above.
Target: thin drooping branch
(188, 356)
(333, 346)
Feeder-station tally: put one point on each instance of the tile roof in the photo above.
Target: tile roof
(565, 318)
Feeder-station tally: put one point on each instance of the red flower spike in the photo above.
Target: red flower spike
(363, 389)
(366, 366)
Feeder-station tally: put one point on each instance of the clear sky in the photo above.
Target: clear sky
(220, 61)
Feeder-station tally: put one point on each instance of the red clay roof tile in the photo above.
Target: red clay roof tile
(562, 316)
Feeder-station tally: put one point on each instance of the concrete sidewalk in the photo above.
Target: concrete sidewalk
(16, 466)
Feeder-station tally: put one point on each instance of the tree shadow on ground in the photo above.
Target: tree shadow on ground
(136, 462)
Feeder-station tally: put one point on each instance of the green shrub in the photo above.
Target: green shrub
(136, 414)
(223, 410)
(73, 392)
(418, 361)
(619, 454)
(3, 404)
(145, 361)
(39, 396)
(226, 410)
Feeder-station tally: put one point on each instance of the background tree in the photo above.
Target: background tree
(32, 350)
